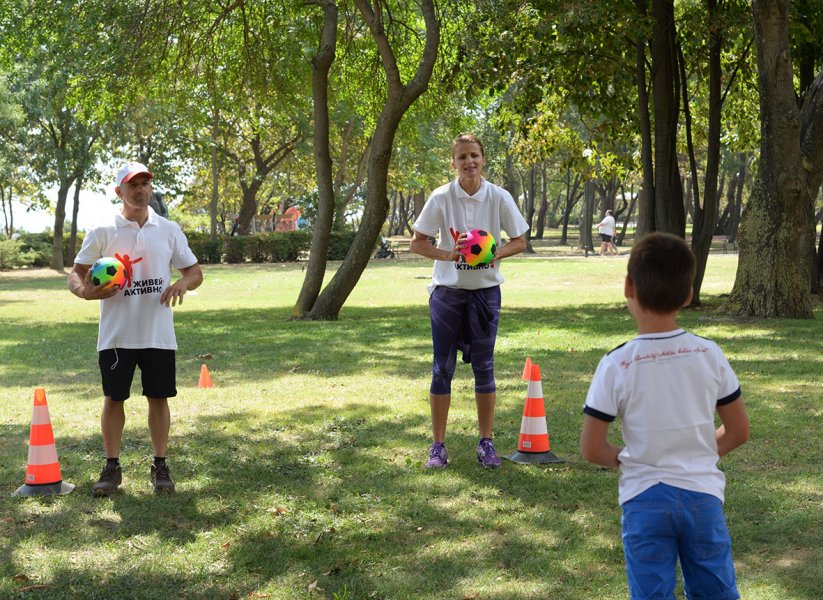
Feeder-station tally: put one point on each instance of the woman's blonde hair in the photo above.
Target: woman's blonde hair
(467, 138)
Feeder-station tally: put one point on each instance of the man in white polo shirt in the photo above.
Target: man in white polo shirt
(136, 323)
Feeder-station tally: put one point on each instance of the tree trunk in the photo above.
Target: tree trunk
(341, 202)
(419, 201)
(263, 165)
(572, 197)
(215, 173)
(669, 213)
(629, 212)
(75, 209)
(646, 205)
(512, 179)
(393, 211)
(530, 190)
(248, 210)
(776, 231)
(59, 218)
(811, 145)
(737, 207)
(544, 203)
(8, 214)
(399, 98)
(586, 218)
(334, 295)
(705, 216)
(318, 256)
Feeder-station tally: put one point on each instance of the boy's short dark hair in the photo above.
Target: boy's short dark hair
(661, 266)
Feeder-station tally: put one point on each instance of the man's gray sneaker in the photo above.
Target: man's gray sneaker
(110, 478)
(160, 478)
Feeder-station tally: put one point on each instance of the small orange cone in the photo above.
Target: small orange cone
(527, 370)
(205, 378)
(533, 447)
(43, 471)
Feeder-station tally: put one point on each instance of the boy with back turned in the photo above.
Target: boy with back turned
(665, 386)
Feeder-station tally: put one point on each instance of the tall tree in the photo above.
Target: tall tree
(11, 151)
(321, 65)
(721, 24)
(667, 206)
(399, 96)
(777, 227)
(59, 142)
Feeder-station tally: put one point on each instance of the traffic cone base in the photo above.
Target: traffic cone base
(43, 476)
(46, 489)
(533, 458)
(205, 378)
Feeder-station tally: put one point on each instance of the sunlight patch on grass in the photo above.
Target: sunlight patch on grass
(305, 462)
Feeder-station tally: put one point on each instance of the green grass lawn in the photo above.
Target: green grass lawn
(300, 474)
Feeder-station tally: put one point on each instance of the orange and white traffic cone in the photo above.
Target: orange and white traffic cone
(205, 378)
(43, 471)
(534, 446)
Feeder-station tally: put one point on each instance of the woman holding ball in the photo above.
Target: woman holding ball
(464, 300)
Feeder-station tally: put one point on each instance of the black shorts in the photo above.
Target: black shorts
(605, 237)
(158, 372)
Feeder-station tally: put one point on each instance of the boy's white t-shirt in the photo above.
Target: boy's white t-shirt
(135, 318)
(451, 209)
(665, 389)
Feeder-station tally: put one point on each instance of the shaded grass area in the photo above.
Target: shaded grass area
(300, 474)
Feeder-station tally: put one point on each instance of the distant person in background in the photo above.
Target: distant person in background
(606, 229)
(136, 323)
(464, 300)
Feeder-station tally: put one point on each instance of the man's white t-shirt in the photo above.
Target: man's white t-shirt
(665, 388)
(449, 211)
(607, 226)
(135, 318)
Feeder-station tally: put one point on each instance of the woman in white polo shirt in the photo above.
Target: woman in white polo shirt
(465, 300)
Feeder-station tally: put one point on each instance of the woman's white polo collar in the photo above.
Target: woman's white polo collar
(459, 192)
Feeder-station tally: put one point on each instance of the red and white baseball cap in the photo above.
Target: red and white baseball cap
(129, 170)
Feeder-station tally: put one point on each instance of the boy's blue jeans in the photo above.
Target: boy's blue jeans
(665, 523)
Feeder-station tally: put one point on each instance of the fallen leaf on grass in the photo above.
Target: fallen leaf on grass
(226, 546)
(474, 596)
(20, 578)
(30, 588)
(207, 355)
(313, 587)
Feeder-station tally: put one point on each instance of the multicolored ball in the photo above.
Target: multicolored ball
(479, 248)
(108, 271)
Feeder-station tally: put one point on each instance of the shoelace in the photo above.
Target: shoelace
(108, 473)
(488, 449)
(437, 451)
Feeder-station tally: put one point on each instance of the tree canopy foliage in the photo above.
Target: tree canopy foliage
(659, 98)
